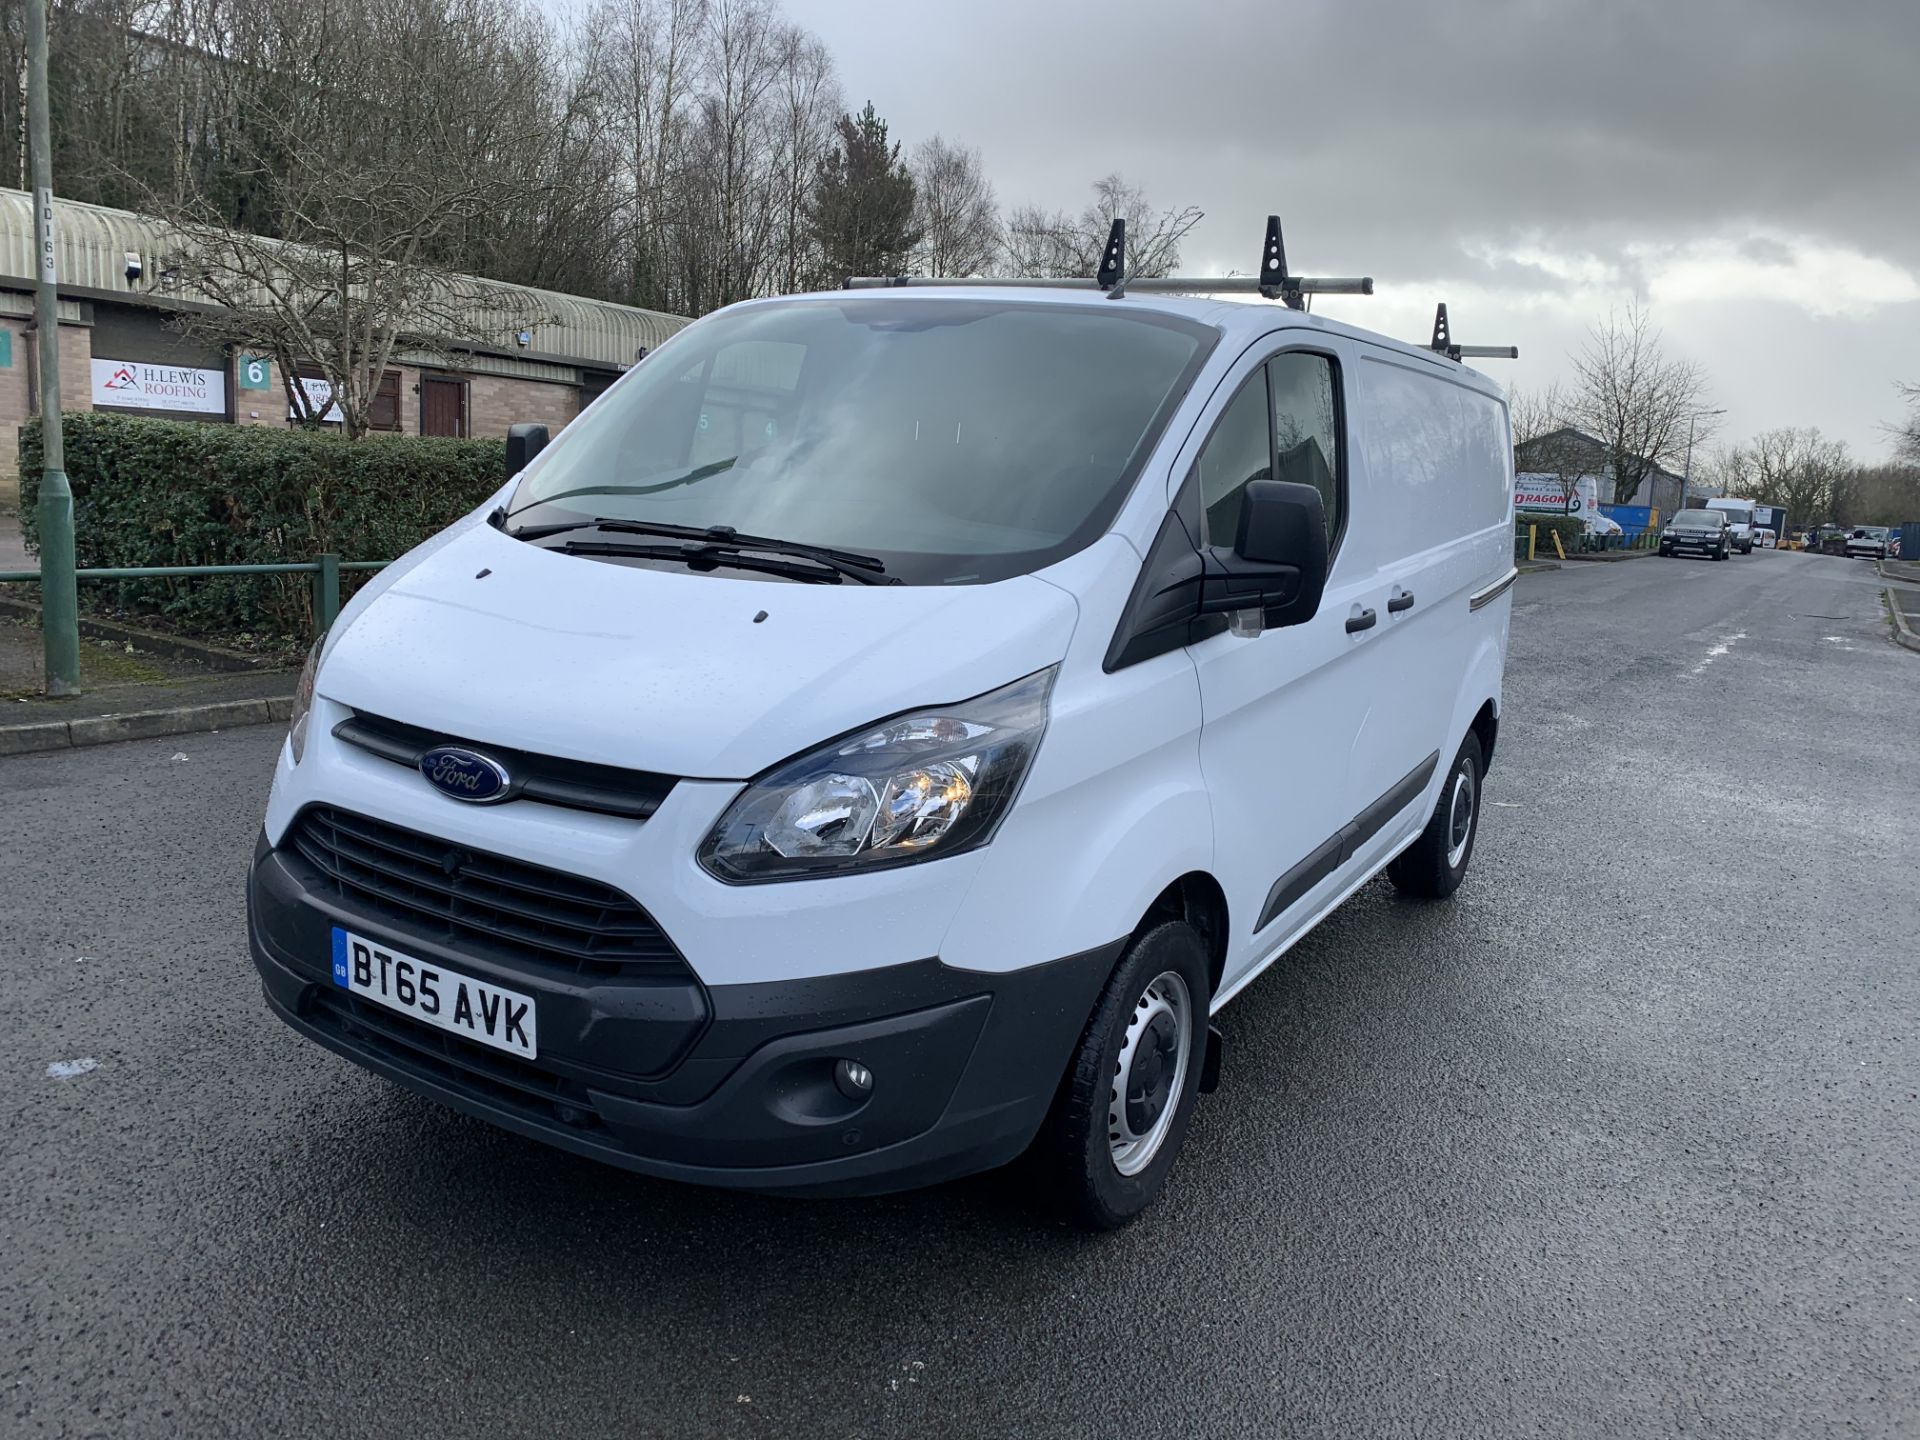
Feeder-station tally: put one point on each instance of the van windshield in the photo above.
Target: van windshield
(956, 440)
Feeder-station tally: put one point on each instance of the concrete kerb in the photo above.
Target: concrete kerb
(142, 725)
(1903, 630)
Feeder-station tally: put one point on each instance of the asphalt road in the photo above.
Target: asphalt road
(1624, 1140)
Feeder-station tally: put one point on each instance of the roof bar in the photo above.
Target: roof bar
(1273, 282)
(1113, 265)
(1162, 285)
(1442, 343)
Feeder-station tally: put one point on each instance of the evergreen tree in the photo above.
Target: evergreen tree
(863, 201)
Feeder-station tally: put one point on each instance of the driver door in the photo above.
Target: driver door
(1280, 709)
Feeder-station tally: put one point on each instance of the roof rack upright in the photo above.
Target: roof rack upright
(1273, 282)
(1442, 343)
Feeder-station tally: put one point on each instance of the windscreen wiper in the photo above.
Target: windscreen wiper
(691, 477)
(712, 555)
(869, 569)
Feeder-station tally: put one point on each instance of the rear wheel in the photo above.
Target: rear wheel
(1122, 1111)
(1434, 865)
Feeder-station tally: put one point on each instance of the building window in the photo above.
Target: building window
(382, 414)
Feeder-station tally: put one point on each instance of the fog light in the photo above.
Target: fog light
(853, 1079)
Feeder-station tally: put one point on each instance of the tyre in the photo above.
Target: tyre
(1122, 1109)
(1721, 553)
(1434, 865)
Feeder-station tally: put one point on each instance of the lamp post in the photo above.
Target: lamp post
(59, 605)
(1686, 466)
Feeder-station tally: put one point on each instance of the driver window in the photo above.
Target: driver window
(1240, 449)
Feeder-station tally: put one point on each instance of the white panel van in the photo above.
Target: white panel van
(870, 743)
(1740, 523)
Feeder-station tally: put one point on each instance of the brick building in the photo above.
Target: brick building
(120, 353)
(1568, 451)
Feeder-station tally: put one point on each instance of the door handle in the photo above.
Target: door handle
(1402, 601)
(1365, 620)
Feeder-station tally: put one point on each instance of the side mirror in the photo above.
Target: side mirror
(523, 443)
(1278, 564)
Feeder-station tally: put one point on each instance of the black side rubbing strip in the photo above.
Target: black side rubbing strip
(1292, 886)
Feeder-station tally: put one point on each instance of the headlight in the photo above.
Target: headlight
(932, 783)
(303, 700)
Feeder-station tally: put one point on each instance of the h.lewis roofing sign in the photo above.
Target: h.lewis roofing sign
(136, 385)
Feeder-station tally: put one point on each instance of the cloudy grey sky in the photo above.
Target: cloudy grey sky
(1751, 168)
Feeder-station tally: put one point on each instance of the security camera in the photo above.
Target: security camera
(133, 267)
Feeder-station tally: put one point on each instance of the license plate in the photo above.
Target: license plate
(434, 995)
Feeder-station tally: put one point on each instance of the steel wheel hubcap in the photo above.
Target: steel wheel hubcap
(1151, 1072)
(1459, 814)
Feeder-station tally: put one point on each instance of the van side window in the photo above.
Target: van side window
(1306, 427)
(1240, 449)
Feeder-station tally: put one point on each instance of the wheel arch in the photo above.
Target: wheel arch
(1198, 900)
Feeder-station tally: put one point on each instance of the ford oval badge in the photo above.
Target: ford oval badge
(465, 774)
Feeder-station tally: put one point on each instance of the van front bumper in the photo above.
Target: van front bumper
(728, 1085)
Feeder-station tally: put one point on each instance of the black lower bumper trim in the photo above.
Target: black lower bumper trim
(731, 1086)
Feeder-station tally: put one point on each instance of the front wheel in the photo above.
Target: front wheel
(1434, 865)
(1122, 1111)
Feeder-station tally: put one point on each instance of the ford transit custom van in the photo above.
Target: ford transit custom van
(873, 739)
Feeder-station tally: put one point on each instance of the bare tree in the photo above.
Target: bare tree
(1798, 470)
(1635, 399)
(1882, 494)
(809, 103)
(1906, 434)
(1535, 414)
(956, 212)
(1553, 447)
(351, 129)
(1727, 469)
(1054, 244)
(720, 111)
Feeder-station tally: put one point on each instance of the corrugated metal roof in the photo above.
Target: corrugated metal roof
(91, 244)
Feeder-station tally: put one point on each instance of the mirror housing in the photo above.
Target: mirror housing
(524, 441)
(1278, 564)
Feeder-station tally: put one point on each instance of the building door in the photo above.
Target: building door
(443, 406)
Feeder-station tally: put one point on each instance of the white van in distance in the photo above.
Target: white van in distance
(874, 738)
(1740, 526)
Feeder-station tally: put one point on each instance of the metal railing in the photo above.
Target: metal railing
(1532, 541)
(326, 570)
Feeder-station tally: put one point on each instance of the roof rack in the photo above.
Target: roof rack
(1274, 282)
(1442, 343)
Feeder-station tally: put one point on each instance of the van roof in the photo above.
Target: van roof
(1246, 318)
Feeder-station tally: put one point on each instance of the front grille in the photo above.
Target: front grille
(449, 893)
(608, 789)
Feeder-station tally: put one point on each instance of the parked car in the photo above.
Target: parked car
(1696, 532)
(1868, 542)
(795, 779)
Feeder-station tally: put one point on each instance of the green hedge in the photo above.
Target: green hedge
(1571, 528)
(165, 492)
